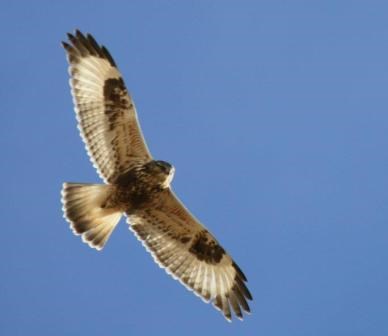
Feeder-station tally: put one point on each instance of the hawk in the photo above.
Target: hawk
(138, 186)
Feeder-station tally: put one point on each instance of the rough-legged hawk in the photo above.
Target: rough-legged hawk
(138, 186)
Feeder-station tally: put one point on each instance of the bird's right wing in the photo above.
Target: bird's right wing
(191, 254)
(106, 114)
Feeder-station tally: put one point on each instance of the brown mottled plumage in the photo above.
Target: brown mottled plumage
(138, 186)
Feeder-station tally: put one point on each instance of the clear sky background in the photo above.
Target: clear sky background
(275, 115)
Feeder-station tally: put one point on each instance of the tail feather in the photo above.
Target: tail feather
(83, 209)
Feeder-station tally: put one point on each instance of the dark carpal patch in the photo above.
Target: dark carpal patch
(116, 99)
(114, 89)
(206, 249)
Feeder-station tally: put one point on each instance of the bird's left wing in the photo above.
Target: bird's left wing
(105, 111)
(191, 254)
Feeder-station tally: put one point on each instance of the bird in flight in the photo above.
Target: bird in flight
(138, 186)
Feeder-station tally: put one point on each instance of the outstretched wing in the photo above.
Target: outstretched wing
(188, 252)
(105, 112)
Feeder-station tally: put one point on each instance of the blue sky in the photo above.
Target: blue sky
(275, 115)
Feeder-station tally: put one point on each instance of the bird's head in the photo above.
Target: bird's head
(161, 171)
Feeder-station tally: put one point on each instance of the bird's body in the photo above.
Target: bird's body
(141, 186)
(138, 186)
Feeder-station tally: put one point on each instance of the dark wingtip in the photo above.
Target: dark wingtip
(90, 36)
(241, 285)
(249, 295)
(240, 272)
(108, 56)
(79, 35)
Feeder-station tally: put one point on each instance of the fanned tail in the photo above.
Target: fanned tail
(84, 208)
